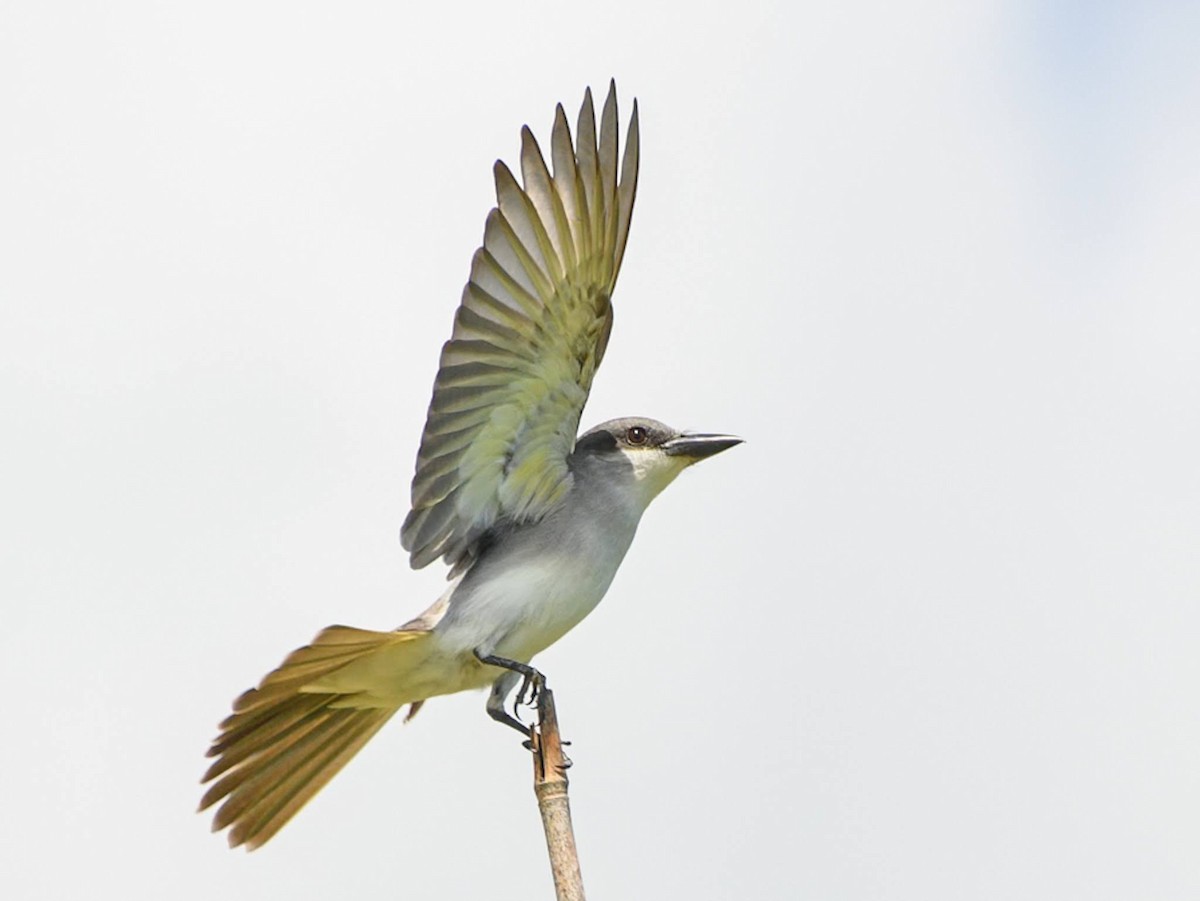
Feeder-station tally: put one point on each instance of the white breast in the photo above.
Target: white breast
(523, 603)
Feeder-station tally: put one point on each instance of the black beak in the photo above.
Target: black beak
(697, 447)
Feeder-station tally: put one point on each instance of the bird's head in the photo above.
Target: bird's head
(652, 452)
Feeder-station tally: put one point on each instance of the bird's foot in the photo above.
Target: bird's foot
(531, 687)
(567, 763)
(532, 683)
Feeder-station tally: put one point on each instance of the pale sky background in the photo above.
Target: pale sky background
(930, 634)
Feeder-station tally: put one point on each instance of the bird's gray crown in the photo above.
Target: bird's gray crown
(629, 433)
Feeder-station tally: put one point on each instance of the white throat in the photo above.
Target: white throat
(653, 471)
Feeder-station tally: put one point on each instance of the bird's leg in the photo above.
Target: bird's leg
(495, 704)
(503, 716)
(531, 684)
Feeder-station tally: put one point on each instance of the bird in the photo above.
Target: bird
(532, 518)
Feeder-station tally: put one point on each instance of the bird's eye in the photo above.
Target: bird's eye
(636, 435)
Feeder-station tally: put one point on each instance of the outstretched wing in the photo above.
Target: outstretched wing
(529, 333)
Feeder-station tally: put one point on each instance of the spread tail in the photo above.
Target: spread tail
(289, 736)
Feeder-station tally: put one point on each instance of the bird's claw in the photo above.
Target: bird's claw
(566, 763)
(531, 687)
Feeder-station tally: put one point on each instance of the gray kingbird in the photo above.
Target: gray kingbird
(532, 520)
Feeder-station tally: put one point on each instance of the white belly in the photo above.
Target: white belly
(525, 608)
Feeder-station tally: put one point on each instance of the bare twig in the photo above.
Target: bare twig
(550, 786)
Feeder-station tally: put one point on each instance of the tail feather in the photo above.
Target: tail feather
(272, 810)
(264, 801)
(288, 737)
(277, 728)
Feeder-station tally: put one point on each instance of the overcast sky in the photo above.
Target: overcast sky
(931, 633)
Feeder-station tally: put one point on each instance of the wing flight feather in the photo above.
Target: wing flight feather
(529, 333)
